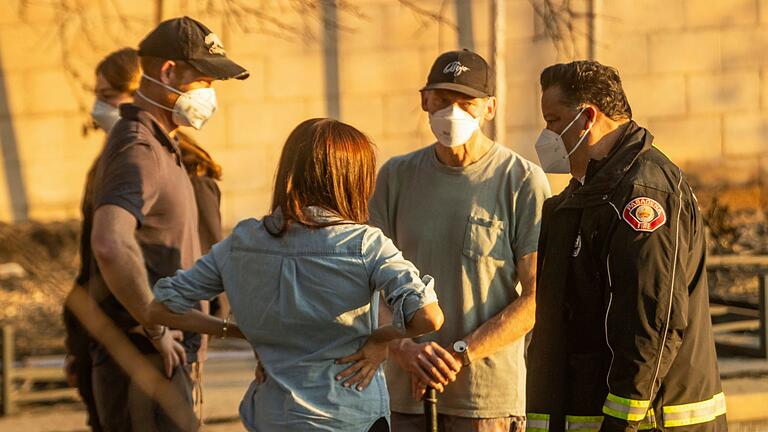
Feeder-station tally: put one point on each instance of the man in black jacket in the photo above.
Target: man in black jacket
(623, 337)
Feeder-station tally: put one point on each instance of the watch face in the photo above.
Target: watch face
(459, 346)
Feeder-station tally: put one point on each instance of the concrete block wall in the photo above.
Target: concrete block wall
(699, 81)
(696, 73)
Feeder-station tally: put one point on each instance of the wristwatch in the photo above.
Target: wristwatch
(462, 349)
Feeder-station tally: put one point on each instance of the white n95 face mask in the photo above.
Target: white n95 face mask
(192, 108)
(553, 156)
(105, 115)
(452, 126)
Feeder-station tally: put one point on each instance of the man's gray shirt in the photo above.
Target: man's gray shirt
(467, 227)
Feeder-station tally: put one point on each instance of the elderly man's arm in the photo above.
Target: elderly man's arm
(517, 318)
(121, 264)
(437, 366)
(512, 322)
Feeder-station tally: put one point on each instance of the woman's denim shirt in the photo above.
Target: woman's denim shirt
(304, 300)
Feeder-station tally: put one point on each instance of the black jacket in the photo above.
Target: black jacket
(623, 336)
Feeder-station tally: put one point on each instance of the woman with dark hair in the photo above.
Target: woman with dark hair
(304, 285)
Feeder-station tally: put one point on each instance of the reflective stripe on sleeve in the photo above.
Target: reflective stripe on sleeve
(535, 422)
(694, 413)
(583, 423)
(624, 408)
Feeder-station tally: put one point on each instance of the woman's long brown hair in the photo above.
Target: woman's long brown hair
(196, 160)
(328, 164)
(122, 70)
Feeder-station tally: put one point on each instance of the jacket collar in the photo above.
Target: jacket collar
(603, 176)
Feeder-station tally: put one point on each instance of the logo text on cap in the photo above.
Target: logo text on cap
(456, 68)
(214, 44)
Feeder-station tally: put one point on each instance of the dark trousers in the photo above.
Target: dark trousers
(123, 407)
(82, 368)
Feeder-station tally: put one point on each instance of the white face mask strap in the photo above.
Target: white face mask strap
(138, 93)
(166, 86)
(573, 121)
(582, 137)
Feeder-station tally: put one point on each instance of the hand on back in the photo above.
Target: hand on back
(366, 362)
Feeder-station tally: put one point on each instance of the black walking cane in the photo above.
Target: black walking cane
(430, 409)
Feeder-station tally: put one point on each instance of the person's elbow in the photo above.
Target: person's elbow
(436, 319)
(528, 319)
(428, 319)
(105, 247)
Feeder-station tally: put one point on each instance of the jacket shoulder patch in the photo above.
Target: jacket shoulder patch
(644, 214)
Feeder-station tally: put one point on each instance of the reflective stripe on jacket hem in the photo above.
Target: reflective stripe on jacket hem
(535, 422)
(593, 423)
(694, 413)
(624, 408)
(583, 423)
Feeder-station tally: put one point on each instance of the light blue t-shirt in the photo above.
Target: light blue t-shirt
(303, 300)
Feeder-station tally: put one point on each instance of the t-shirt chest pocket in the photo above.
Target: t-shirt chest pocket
(485, 238)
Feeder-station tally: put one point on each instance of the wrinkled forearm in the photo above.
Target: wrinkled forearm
(512, 322)
(509, 325)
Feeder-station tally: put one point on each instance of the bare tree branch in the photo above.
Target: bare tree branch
(425, 15)
(558, 18)
(91, 25)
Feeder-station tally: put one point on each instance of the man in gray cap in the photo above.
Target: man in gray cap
(467, 210)
(145, 219)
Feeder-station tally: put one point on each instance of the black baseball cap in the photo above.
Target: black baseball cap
(189, 40)
(463, 71)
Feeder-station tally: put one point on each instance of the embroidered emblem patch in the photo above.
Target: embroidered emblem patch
(214, 44)
(644, 214)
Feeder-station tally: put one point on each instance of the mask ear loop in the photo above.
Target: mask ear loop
(138, 93)
(161, 84)
(582, 137)
(166, 86)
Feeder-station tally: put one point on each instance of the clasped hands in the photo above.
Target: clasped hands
(428, 363)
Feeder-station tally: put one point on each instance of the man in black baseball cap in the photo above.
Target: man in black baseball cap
(192, 42)
(464, 72)
(180, 59)
(483, 204)
(145, 222)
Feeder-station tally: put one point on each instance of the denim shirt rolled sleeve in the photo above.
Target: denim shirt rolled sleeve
(405, 291)
(203, 281)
